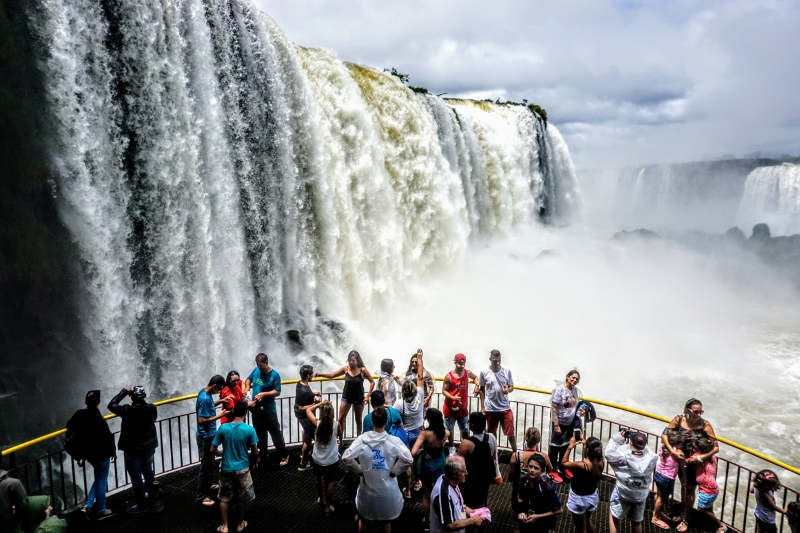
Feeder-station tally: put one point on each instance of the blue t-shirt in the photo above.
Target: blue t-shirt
(392, 417)
(265, 383)
(206, 409)
(236, 438)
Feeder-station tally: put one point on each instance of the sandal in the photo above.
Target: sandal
(242, 526)
(329, 510)
(659, 523)
(220, 529)
(418, 485)
(407, 493)
(284, 461)
(683, 526)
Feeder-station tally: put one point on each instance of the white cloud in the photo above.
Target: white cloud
(626, 81)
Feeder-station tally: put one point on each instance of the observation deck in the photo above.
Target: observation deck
(285, 497)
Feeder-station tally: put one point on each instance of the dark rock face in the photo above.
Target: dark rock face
(760, 232)
(637, 234)
(781, 253)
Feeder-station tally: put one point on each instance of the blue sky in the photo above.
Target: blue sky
(626, 82)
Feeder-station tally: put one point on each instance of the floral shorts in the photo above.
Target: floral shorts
(238, 485)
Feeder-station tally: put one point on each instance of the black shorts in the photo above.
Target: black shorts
(308, 430)
(765, 527)
(327, 471)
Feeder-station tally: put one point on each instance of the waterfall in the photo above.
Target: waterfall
(772, 195)
(222, 185)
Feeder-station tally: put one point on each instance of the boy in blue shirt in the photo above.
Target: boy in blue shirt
(235, 481)
(266, 385)
(206, 430)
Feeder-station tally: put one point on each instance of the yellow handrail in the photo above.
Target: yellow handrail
(633, 410)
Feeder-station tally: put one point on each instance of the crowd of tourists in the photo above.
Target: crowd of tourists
(403, 445)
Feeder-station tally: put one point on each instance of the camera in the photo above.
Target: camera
(626, 433)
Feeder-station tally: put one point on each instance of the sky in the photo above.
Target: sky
(626, 82)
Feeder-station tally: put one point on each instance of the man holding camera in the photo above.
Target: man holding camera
(633, 463)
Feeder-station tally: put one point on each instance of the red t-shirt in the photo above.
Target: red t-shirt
(229, 399)
(458, 387)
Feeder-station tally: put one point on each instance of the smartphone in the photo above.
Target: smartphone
(578, 435)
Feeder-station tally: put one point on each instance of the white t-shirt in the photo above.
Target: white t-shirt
(494, 382)
(567, 402)
(411, 411)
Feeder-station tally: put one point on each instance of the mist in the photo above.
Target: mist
(648, 324)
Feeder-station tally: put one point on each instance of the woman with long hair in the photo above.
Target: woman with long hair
(411, 405)
(563, 406)
(691, 426)
(583, 493)
(430, 384)
(325, 457)
(429, 446)
(355, 373)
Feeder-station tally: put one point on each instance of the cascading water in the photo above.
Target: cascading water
(772, 195)
(222, 185)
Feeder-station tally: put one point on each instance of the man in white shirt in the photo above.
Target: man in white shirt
(448, 512)
(633, 465)
(378, 458)
(496, 383)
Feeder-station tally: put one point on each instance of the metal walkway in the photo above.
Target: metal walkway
(286, 502)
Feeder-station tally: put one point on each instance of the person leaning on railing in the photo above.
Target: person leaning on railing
(563, 406)
(692, 426)
(353, 393)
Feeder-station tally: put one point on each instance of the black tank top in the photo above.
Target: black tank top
(583, 483)
(353, 388)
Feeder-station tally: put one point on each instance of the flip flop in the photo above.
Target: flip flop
(660, 523)
(329, 511)
(221, 530)
(243, 525)
(418, 485)
(683, 526)
(284, 461)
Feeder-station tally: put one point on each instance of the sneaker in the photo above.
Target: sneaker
(135, 509)
(108, 514)
(452, 450)
(303, 468)
(426, 525)
(567, 474)
(555, 477)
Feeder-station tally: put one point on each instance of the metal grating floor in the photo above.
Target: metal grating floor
(286, 502)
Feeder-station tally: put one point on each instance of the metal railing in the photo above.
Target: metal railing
(58, 475)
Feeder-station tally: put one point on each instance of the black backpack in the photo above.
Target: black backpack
(75, 439)
(480, 465)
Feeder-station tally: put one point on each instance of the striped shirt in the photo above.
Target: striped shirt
(447, 506)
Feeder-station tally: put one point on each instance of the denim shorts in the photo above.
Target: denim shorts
(412, 436)
(666, 486)
(705, 501)
(463, 423)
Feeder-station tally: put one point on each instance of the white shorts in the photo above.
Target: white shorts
(620, 509)
(582, 504)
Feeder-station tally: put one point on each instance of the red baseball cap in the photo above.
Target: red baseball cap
(460, 358)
